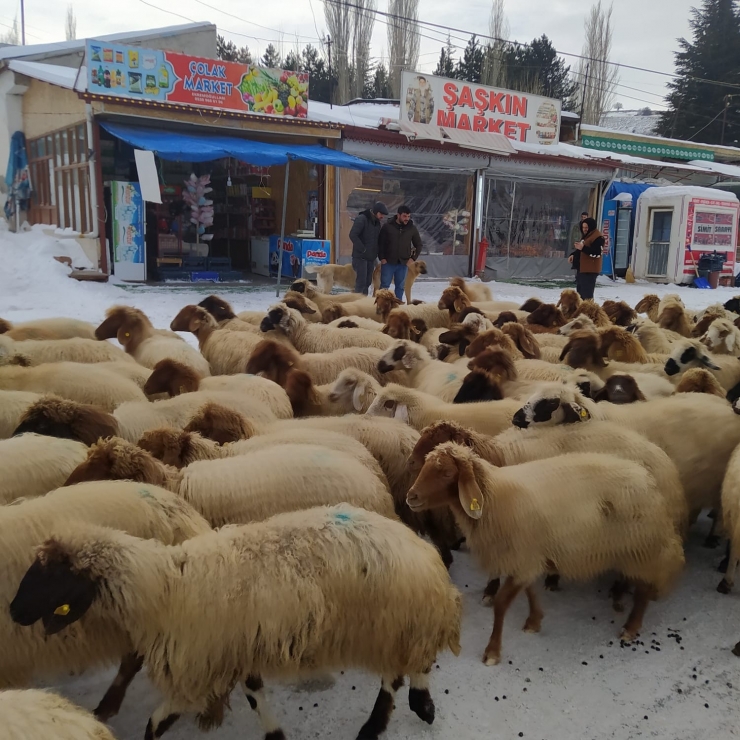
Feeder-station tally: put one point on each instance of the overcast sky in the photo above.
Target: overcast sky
(645, 30)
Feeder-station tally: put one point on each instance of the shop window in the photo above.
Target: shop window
(441, 206)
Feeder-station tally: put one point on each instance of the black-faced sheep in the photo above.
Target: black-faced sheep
(692, 353)
(304, 566)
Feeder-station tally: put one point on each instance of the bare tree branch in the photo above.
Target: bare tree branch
(70, 25)
(364, 20)
(494, 66)
(403, 39)
(339, 24)
(12, 36)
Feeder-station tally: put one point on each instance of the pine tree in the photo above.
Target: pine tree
(714, 54)
(446, 64)
(228, 51)
(271, 58)
(381, 84)
(470, 67)
(319, 87)
(292, 61)
(536, 68)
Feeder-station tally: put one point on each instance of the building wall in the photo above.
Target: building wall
(49, 108)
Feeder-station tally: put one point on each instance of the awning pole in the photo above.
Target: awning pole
(511, 221)
(282, 228)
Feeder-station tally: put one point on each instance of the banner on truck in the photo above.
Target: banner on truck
(471, 107)
(166, 77)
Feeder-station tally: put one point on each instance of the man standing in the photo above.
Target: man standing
(364, 235)
(398, 246)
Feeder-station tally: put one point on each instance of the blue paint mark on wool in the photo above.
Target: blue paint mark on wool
(342, 518)
(452, 377)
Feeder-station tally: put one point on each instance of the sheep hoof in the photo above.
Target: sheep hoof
(711, 542)
(736, 650)
(532, 626)
(618, 606)
(626, 635)
(421, 704)
(488, 600)
(457, 545)
(724, 587)
(722, 567)
(490, 659)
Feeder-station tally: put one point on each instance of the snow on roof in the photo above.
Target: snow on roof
(365, 115)
(16, 52)
(632, 122)
(51, 73)
(693, 191)
(730, 170)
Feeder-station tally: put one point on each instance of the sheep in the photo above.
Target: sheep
(594, 312)
(421, 409)
(700, 380)
(530, 304)
(569, 303)
(654, 339)
(33, 352)
(620, 313)
(56, 328)
(620, 389)
(673, 316)
(731, 519)
(474, 291)
(355, 322)
(376, 309)
(74, 381)
(398, 326)
(619, 344)
(33, 465)
(303, 305)
(698, 432)
(525, 341)
(648, 305)
(141, 510)
(706, 317)
(13, 405)
(294, 571)
(322, 300)
(273, 360)
(460, 336)
(579, 323)
(493, 338)
(513, 527)
(692, 353)
(545, 319)
(307, 337)
(248, 487)
(40, 715)
(248, 321)
(723, 338)
(431, 376)
(454, 300)
(139, 338)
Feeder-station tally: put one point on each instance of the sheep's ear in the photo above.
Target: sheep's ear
(407, 361)
(358, 396)
(385, 329)
(471, 498)
(459, 304)
(573, 413)
(123, 335)
(704, 360)
(464, 344)
(402, 413)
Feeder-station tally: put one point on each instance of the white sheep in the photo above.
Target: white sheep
(421, 409)
(75, 381)
(33, 465)
(322, 589)
(356, 322)
(54, 328)
(137, 508)
(13, 405)
(474, 291)
(439, 379)
(41, 715)
(430, 314)
(731, 519)
(41, 351)
(722, 337)
(307, 337)
(144, 343)
(692, 353)
(578, 514)
(364, 308)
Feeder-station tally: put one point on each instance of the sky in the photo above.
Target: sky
(645, 31)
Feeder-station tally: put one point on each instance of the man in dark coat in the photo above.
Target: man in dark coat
(364, 235)
(399, 245)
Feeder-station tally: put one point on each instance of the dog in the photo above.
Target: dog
(329, 275)
(417, 268)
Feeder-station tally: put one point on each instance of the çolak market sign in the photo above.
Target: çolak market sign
(471, 107)
(166, 77)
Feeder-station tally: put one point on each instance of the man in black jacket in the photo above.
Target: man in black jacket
(398, 246)
(364, 235)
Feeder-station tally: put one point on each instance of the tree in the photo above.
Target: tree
(494, 64)
(446, 64)
(470, 66)
(618, 106)
(271, 58)
(403, 40)
(12, 36)
(292, 61)
(364, 20)
(319, 84)
(228, 51)
(70, 25)
(536, 68)
(714, 54)
(596, 78)
(381, 84)
(339, 22)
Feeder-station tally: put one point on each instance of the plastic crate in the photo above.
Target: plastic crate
(219, 264)
(179, 275)
(193, 262)
(204, 276)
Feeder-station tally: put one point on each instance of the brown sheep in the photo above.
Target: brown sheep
(474, 291)
(454, 300)
(619, 389)
(56, 328)
(220, 424)
(398, 326)
(58, 417)
(488, 371)
(530, 304)
(618, 344)
(180, 449)
(173, 378)
(569, 303)
(699, 380)
(508, 317)
(300, 303)
(493, 338)
(619, 312)
(705, 322)
(594, 312)
(648, 304)
(220, 309)
(524, 340)
(674, 318)
(545, 319)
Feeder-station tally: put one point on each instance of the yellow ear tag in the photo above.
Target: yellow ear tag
(584, 413)
(474, 505)
(62, 610)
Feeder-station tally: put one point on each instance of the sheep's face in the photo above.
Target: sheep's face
(352, 388)
(721, 338)
(218, 308)
(220, 424)
(54, 592)
(170, 446)
(580, 323)
(620, 389)
(453, 299)
(529, 305)
(733, 305)
(433, 436)
(192, 319)
(278, 317)
(56, 417)
(400, 357)
(385, 302)
(114, 321)
(332, 313)
(524, 340)
(389, 407)
(549, 411)
(688, 355)
(398, 326)
(298, 301)
(302, 286)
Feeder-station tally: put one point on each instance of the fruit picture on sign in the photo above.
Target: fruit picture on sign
(266, 91)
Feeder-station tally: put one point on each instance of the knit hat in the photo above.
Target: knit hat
(380, 207)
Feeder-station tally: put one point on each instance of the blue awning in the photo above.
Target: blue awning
(181, 147)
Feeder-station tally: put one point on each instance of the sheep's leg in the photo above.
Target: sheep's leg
(552, 582)
(489, 594)
(726, 584)
(163, 717)
(381, 714)
(420, 700)
(736, 650)
(110, 704)
(633, 625)
(722, 567)
(534, 620)
(619, 588)
(712, 539)
(255, 691)
(506, 595)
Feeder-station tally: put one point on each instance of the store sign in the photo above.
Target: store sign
(165, 77)
(711, 225)
(471, 107)
(642, 149)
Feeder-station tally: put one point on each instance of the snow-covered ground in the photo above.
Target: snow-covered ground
(573, 680)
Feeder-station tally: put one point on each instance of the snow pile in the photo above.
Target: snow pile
(33, 284)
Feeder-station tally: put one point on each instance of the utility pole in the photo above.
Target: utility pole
(23, 24)
(331, 78)
(585, 87)
(724, 119)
